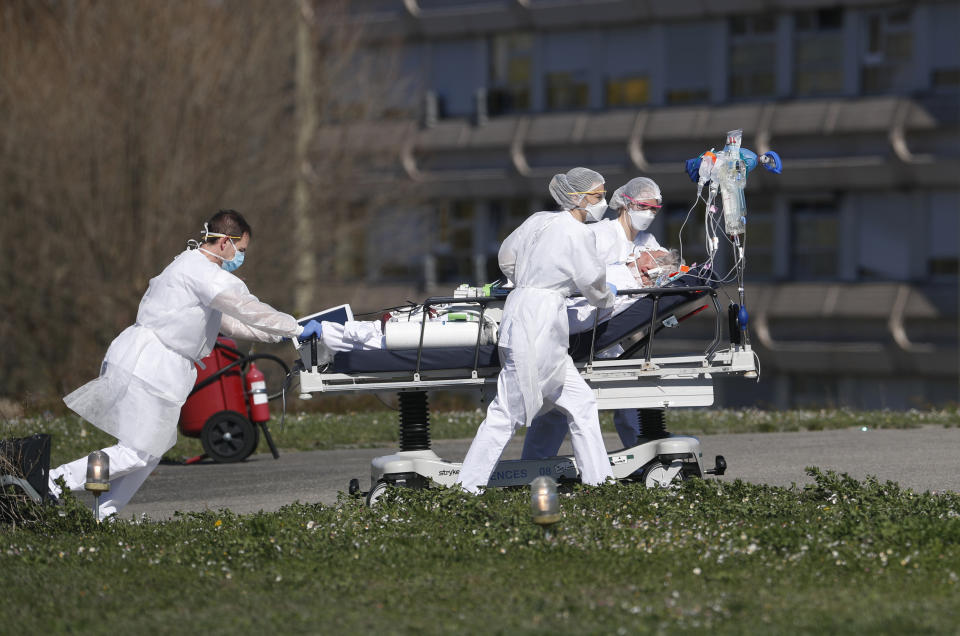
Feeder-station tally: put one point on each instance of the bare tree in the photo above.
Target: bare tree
(124, 124)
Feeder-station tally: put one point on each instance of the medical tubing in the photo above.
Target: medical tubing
(450, 300)
(682, 225)
(287, 382)
(384, 402)
(242, 359)
(409, 306)
(712, 349)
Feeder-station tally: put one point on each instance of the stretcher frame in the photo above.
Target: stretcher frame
(647, 382)
(623, 382)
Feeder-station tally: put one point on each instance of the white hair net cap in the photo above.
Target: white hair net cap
(639, 189)
(576, 180)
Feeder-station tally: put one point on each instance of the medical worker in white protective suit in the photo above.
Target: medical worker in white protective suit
(620, 240)
(549, 257)
(148, 370)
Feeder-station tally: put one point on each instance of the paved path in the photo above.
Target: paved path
(922, 459)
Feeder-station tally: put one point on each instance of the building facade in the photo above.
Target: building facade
(852, 253)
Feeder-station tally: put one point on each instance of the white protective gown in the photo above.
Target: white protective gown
(550, 256)
(582, 315)
(546, 435)
(614, 246)
(148, 370)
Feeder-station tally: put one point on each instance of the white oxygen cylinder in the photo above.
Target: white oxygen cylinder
(406, 335)
(732, 174)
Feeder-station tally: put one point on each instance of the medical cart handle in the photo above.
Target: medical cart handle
(448, 300)
(649, 291)
(659, 291)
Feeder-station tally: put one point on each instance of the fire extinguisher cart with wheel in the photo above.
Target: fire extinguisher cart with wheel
(228, 407)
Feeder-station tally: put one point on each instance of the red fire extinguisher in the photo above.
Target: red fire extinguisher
(257, 392)
(228, 403)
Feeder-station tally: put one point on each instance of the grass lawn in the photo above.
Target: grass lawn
(837, 557)
(74, 438)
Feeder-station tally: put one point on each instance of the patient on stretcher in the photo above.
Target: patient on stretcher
(644, 270)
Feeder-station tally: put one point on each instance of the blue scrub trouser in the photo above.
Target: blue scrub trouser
(547, 431)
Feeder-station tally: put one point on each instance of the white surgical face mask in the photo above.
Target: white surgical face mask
(596, 211)
(641, 220)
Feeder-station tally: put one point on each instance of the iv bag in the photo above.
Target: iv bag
(732, 173)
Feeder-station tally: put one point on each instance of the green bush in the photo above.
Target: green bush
(837, 556)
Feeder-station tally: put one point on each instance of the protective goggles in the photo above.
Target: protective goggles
(643, 206)
(208, 234)
(593, 192)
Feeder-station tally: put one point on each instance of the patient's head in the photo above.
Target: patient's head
(669, 261)
(651, 264)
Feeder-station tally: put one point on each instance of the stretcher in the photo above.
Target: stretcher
(635, 379)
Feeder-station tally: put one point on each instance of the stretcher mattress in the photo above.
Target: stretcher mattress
(632, 320)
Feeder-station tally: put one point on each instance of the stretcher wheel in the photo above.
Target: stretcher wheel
(229, 437)
(375, 493)
(655, 474)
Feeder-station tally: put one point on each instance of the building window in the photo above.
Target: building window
(941, 244)
(511, 72)
(818, 52)
(886, 51)
(349, 263)
(687, 78)
(753, 56)
(944, 267)
(506, 215)
(629, 91)
(567, 90)
(945, 78)
(814, 244)
(407, 231)
(760, 238)
(943, 24)
(453, 247)
(682, 96)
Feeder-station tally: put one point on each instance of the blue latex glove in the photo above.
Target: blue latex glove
(771, 161)
(613, 288)
(692, 167)
(749, 157)
(312, 328)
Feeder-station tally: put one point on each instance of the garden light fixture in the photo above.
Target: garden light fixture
(544, 503)
(98, 477)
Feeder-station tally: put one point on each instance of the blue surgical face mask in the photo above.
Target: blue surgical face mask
(234, 263)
